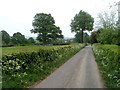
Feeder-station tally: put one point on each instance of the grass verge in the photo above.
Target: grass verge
(108, 59)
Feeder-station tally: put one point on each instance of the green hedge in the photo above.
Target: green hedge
(109, 64)
(24, 69)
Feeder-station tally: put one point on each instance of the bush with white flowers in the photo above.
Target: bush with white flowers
(109, 64)
(23, 69)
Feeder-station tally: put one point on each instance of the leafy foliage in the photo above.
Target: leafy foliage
(18, 38)
(17, 71)
(118, 37)
(44, 26)
(108, 58)
(82, 21)
(5, 37)
(108, 36)
(94, 36)
(107, 20)
(108, 32)
(78, 36)
(31, 40)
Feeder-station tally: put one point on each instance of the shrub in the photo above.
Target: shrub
(23, 69)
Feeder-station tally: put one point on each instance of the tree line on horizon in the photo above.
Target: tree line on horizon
(16, 39)
(44, 26)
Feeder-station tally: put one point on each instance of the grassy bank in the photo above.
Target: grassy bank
(108, 59)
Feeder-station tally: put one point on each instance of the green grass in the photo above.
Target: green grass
(20, 49)
(111, 47)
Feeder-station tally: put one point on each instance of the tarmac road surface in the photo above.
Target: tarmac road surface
(81, 71)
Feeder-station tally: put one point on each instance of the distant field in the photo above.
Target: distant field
(20, 49)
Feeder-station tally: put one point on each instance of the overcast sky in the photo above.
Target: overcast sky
(17, 15)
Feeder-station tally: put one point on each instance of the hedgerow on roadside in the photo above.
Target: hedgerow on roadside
(108, 60)
(21, 70)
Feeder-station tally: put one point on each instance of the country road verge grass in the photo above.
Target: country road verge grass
(23, 69)
(108, 59)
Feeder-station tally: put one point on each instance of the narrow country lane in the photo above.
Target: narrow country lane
(81, 71)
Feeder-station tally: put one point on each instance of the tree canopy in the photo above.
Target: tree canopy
(107, 20)
(44, 26)
(5, 37)
(107, 36)
(81, 22)
(18, 38)
(108, 32)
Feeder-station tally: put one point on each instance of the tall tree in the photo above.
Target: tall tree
(107, 36)
(82, 21)
(118, 39)
(5, 37)
(44, 26)
(94, 35)
(78, 35)
(18, 38)
(108, 19)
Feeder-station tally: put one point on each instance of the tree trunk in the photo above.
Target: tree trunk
(82, 36)
(44, 39)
